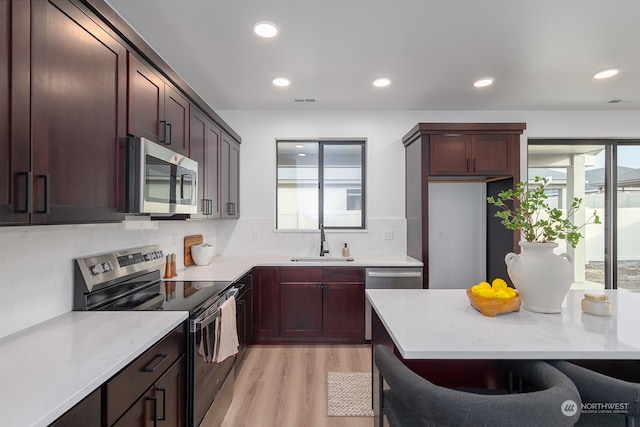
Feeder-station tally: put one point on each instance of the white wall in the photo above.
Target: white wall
(36, 262)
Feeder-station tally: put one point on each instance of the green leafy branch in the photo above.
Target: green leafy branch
(534, 218)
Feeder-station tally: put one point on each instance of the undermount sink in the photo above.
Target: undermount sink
(322, 259)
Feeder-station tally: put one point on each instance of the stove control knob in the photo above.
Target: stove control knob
(107, 266)
(97, 269)
(158, 254)
(148, 257)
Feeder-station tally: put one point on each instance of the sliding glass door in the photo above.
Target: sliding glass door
(605, 174)
(627, 271)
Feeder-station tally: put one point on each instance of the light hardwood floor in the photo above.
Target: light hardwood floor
(286, 385)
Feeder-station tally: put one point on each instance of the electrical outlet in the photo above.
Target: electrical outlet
(175, 240)
(440, 235)
(387, 234)
(256, 235)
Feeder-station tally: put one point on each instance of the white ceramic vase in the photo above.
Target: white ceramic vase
(542, 277)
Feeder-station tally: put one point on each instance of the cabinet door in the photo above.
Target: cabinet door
(266, 298)
(163, 404)
(448, 154)
(85, 413)
(170, 394)
(146, 102)
(491, 154)
(301, 309)
(230, 178)
(15, 144)
(343, 311)
(204, 148)
(78, 117)
(176, 116)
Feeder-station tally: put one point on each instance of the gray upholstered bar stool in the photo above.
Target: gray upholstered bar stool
(597, 390)
(414, 401)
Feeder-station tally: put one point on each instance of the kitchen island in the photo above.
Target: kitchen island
(438, 334)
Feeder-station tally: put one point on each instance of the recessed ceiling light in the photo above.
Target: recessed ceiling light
(265, 29)
(483, 82)
(381, 82)
(301, 154)
(299, 146)
(605, 74)
(281, 81)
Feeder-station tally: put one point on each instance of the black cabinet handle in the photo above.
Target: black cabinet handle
(163, 123)
(231, 208)
(474, 166)
(468, 165)
(154, 403)
(164, 404)
(161, 358)
(210, 206)
(28, 185)
(169, 130)
(47, 194)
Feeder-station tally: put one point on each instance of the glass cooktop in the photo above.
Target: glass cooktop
(190, 296)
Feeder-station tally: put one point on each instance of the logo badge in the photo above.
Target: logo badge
(569, 408)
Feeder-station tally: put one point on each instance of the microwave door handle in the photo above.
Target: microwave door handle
(182, 180)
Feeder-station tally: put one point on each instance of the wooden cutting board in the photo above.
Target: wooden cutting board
(189, 241)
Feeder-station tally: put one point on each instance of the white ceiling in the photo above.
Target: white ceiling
(542, 53)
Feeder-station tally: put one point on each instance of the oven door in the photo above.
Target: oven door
(212, 383)
(159, 180)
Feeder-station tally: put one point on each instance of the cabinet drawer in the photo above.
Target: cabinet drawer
(130, 383)
(343, 274)
(301, 274)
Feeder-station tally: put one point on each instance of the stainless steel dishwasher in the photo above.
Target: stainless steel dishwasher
(389, 278)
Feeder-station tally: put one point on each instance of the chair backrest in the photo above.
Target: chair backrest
(596, 388)
(413, 400)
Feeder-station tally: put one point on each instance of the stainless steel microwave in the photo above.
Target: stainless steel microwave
(159, 180)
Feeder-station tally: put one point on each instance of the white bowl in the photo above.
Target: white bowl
(202, 254)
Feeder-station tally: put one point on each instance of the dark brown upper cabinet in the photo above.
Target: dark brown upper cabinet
(67, 81)
(156, 110)
(460, 154)
(230, 178)
(15, 143)
(204, 141)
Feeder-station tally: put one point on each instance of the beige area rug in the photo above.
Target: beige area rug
(349, 394)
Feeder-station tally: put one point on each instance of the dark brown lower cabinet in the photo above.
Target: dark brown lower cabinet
(316, 304)
(266, 303)
(301, 313)
(86, 413)
(163, 404)
(343, 311)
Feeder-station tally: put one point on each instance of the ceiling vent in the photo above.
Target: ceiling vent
(304, 100)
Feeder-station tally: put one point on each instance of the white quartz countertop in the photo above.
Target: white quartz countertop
(441, 324)
(230, 268)
(48, 368)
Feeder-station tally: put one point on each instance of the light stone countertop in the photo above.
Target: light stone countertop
(48, 368)
(231, 268)
(441, 324)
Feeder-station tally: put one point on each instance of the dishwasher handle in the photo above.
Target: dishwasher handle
(394, 274)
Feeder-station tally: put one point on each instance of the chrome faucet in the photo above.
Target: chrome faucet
(323, 251)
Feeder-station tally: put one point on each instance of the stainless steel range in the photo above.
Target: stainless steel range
(131, 280)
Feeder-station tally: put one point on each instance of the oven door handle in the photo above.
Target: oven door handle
(204, 320)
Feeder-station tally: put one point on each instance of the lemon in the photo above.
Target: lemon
(487, 293)
(502, 294)
(475, 289)
(512, 292)
(484, 285)
(499, 284)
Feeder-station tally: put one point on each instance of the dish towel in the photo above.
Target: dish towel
(226, 342)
